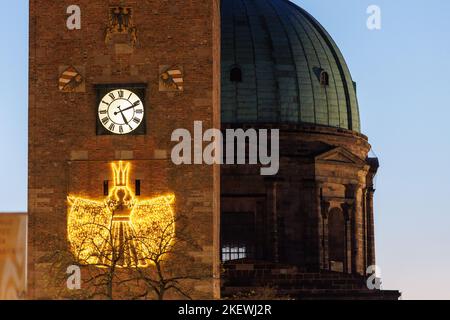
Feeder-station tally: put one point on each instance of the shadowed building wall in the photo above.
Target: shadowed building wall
(311, 224)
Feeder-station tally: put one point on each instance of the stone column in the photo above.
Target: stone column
(348, 213)
(374, 165)
(272, 212)
(316, 226)
(325, 263)
(370, 227)
(354, 193)
(312, 236)
(364, 226)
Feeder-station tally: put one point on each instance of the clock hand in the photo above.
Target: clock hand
(133, 106)
(123, 116)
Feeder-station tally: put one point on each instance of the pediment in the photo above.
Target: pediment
(339, 155)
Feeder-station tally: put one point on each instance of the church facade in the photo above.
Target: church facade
(110, 83)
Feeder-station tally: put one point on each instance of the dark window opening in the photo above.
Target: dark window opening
(238, 236)
(336, 239)
(324, 78)
(106, 188)
(236, 74)
(137, 188)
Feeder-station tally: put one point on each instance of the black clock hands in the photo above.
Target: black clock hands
(133, 106)
(123, 116)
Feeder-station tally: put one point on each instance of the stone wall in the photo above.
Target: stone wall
(321, 169)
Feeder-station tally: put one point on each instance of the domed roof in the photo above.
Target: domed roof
(279, 65)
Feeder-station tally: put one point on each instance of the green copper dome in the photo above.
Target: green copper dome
(279, 65)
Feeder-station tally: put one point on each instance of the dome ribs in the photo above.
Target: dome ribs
(282, 51)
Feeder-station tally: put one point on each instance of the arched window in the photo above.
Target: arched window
(336, 239)
(324, 78)
(236, 74)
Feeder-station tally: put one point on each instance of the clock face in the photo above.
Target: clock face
(121, 111)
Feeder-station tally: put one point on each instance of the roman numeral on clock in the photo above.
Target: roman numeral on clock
(112, 127)
(121, 129)
(112, 96)
(137, 120)
(121, 93)
(139, 111)
(103, 112)
(105, 120)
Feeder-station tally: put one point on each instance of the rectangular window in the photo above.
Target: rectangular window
(238, 236)
(106, 188)
(230, 252)
(138, 187)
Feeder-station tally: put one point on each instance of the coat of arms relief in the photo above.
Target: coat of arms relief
(121, 26)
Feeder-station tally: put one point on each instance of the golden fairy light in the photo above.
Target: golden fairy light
(121, 230)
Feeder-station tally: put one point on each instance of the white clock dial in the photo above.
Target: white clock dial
(121, 111)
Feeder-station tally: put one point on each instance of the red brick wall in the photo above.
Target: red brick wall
(62, 125)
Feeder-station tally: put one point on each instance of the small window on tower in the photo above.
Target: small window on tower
(236, 74)
(324, 78)
(138, 187)
(106, 188)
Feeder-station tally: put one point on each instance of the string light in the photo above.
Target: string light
(120, 230)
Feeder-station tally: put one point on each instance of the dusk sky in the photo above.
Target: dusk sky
(404, 96)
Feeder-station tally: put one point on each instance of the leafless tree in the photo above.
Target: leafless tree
(101, 264)
(164, 265)
(171, 267)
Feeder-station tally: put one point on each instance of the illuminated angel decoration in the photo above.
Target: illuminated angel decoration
(120, 230)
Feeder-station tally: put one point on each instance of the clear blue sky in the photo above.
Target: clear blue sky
(402, 73)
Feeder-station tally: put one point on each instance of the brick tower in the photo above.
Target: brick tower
(110, 81)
